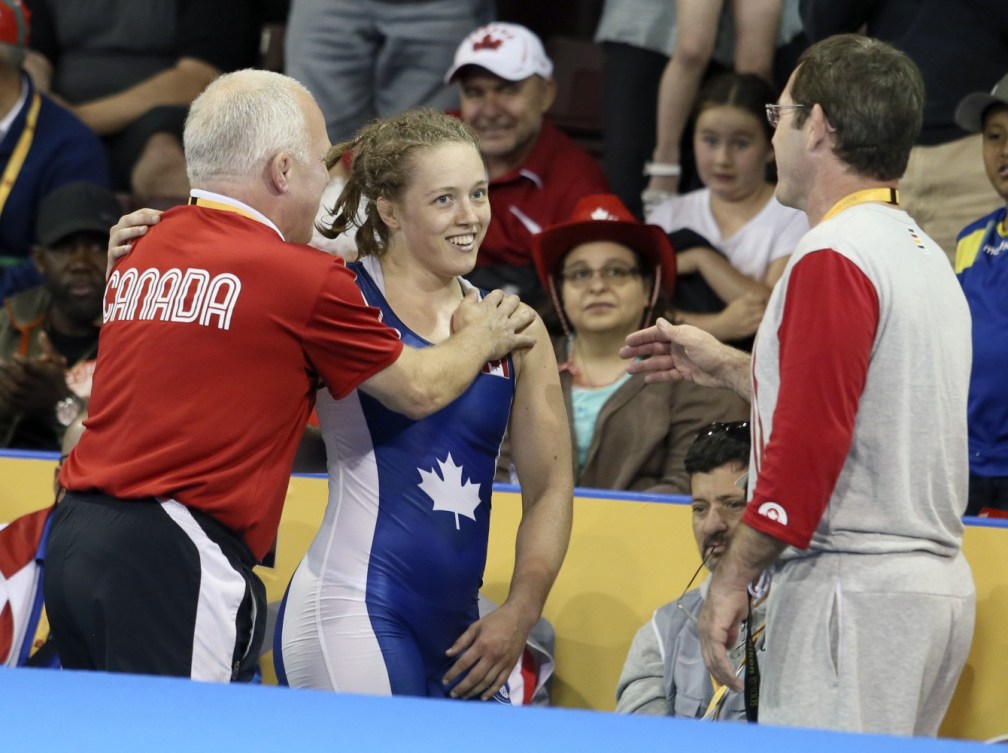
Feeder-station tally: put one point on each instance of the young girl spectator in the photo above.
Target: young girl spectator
(385, 600)
(755, 22)
(733, 237)
(605, 272)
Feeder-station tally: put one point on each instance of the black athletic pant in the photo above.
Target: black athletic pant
(151, 587)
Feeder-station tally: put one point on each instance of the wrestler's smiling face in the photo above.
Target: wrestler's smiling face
(444, 211)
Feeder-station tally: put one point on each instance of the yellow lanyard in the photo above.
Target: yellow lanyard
(20, 153)
(210, 204)
(41, 631)
(721, 691)
(886, 195)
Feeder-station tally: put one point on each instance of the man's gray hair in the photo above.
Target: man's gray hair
(239, 121)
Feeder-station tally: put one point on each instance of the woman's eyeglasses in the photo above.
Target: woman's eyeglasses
(581, 277)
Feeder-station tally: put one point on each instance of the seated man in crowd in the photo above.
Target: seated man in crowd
(537, 174)
(42, 147)
(980, 264)
(49, 334)
(664, 672)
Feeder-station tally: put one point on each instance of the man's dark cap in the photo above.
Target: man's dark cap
(970, 111)
(73, 208)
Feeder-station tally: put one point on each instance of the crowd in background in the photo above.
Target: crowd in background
(677, 215)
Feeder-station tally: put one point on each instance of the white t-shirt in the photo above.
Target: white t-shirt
(8, 119)
(768, 236)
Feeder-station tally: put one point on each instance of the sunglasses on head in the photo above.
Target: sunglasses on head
(738, 429)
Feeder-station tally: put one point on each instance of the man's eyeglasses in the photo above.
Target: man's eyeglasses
(581, 277)
(773, 113)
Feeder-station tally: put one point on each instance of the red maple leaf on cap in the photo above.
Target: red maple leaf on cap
(487, 43)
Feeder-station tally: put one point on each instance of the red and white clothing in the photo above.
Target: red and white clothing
(215, 336)
(855, 400)
(21, 547)
(541, 193)
(859, 457)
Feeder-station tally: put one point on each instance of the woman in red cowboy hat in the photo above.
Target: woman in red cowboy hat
(606, 273)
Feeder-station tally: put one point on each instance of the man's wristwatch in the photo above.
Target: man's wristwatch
(68, 409)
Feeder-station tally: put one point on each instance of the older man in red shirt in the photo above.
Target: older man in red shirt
(537, 174)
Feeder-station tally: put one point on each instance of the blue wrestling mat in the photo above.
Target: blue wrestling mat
(54, 710)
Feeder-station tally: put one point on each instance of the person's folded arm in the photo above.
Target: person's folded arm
(178, 85)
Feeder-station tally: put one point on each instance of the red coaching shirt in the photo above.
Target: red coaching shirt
(540, 194)
(215, 335)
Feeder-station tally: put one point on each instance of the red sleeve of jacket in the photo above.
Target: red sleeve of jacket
(828, 326)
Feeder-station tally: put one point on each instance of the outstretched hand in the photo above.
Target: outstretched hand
(670, 353)
(125, 233)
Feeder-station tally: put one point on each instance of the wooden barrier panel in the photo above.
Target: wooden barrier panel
(627, 556)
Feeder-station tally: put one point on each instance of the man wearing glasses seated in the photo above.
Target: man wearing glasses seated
(664, 673)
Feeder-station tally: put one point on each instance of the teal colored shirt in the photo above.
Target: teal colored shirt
(587, 403)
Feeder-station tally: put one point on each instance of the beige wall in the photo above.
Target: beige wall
(625, 559)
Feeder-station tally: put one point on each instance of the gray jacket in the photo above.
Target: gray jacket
(664, 673)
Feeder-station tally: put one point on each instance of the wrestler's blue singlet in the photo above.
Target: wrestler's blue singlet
(391, 579)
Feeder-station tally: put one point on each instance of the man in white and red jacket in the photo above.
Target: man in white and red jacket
(858, 382)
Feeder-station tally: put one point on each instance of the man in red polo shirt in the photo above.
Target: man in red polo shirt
(537, 174)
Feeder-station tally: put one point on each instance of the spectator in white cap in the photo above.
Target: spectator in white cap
(537, 174)
(982, 269)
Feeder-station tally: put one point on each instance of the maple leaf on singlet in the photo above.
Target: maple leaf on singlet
(448, 492)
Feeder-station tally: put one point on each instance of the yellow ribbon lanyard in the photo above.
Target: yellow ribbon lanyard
(210, 204)
(41, 631)
(20, 153)
(885, 195)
